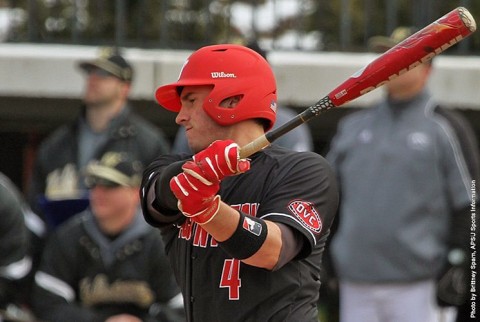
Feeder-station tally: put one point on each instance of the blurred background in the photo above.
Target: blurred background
(313, 45)
(313, 25)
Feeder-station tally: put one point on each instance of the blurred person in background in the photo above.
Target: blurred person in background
(56, 190)
(106, 123)
(405, 168)
(106, 263)
(18, 228)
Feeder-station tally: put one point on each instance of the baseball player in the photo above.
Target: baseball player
(245, 236)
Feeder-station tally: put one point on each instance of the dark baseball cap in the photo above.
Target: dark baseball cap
(112, 63)
(114, 169)
(380, 44)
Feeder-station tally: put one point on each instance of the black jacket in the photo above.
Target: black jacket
(86, 276)
(15, 261)
(128, 132)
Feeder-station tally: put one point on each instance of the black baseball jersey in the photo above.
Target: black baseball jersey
(87, 276)
(296, 189)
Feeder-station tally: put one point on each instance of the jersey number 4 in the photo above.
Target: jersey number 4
(231, 278)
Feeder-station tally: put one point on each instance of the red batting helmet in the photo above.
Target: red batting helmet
(232, 70)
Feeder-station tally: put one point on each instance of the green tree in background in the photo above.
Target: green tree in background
(327, 24)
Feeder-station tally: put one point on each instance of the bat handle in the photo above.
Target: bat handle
(254, 146)
(266, 139)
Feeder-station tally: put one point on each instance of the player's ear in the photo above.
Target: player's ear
(231, 102)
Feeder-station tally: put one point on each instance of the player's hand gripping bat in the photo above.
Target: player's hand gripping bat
(416, 49)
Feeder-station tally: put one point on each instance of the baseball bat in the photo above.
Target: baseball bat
(411, 52)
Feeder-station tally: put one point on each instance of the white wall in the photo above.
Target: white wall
(303, 78)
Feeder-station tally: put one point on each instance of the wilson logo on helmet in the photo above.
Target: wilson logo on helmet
(223, 75)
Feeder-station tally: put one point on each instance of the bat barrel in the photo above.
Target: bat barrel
(420, 47)
(413, 51)
(467, 19)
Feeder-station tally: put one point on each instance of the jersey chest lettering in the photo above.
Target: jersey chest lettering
(201, 238)
(247, 208)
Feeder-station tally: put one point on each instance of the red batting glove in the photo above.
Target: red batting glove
(197, 196)
(221, 159)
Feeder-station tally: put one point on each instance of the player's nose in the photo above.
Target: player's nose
(182, 117)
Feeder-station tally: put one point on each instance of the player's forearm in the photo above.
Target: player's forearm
(158, 203)
(224, 225)
(269, 254)
(154, 214)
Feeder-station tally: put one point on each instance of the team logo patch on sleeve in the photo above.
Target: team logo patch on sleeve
(307, 214)
(252, 226)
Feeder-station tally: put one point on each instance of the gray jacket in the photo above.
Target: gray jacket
(403, 175)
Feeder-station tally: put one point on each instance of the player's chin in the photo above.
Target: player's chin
(197, 145)
(195, 149)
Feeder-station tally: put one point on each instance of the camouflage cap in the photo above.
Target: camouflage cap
(380, 44)
(115, 168)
